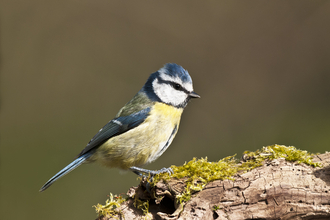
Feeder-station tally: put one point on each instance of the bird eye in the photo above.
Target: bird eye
(177, 86)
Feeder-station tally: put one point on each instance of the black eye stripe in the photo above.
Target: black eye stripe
(173, 84)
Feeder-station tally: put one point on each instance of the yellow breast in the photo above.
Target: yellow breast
(142, 144)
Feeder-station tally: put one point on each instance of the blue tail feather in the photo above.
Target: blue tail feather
(73, 165)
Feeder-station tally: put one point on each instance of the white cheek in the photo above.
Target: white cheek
(168, 94)
(176, 97)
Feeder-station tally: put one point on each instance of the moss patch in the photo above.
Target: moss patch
(142, 205)
(279, 151)
(200, 172)
(110, 207)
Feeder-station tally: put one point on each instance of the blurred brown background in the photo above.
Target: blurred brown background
(67, 67)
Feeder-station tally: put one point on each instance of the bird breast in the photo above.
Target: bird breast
(144, 143)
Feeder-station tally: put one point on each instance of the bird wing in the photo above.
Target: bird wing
(116, 127)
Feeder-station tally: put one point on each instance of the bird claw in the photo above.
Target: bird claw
(142, 172)
(151, 173)
(163, 170)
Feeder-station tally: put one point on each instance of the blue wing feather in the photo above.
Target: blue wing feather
(116, 127)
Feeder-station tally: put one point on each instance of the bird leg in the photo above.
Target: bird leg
(142, 172)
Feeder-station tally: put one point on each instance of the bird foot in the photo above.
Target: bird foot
(142, 172)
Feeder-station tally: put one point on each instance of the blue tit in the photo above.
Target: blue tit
(143, 129)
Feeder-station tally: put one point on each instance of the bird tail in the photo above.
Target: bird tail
(73, 165)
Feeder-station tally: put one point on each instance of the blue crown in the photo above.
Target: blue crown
(176, 70)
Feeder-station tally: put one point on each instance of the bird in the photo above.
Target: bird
(143, 129)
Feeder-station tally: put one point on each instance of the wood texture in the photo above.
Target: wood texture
(277, 190)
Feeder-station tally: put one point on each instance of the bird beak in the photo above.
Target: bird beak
(193, 95)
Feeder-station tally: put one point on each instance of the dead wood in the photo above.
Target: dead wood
(277, 190)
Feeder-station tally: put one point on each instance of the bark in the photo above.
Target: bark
(277, 190)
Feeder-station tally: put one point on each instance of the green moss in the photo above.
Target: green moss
(200, 172)
(215, 208)
(110, 207)
(280, 151)
(142, 205)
